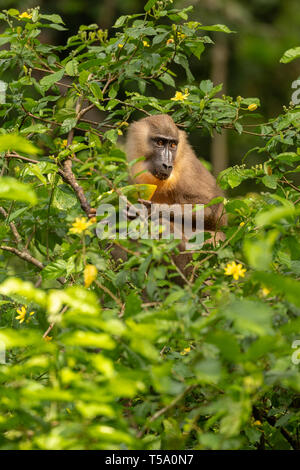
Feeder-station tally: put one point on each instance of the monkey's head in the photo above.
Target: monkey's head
(155, 138)
(162, 145)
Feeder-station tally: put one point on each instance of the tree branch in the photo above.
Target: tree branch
(168, 407)
(12, 226)
(68, 176)
(24, 255)
(20, 157)
(262, 415)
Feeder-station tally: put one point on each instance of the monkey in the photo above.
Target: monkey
(170, 163)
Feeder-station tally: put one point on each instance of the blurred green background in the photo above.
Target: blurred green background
(247, 63)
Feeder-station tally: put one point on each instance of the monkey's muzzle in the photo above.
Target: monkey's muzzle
(163, 165)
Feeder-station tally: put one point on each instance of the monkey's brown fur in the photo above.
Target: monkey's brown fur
(189, 183)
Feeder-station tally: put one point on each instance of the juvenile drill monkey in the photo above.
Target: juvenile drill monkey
(171, 164)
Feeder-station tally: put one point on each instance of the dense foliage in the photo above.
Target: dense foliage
(101, 355)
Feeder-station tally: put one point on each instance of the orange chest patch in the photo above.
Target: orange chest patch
(164, 188)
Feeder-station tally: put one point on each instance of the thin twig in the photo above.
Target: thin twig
(167, 408)
(262, 415)
(67, 173)
(20, 157)
(105, 289)
(52, 324)
(12, 226)
(24, 255)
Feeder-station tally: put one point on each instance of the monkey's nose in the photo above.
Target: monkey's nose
(168, 168)
(163, 171)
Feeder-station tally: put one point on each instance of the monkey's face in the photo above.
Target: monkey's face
(163, 156)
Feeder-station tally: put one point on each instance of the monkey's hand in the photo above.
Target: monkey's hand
(146, 203)
(132, 212)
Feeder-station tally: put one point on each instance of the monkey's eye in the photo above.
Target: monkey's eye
(173, 145)
(160, 143)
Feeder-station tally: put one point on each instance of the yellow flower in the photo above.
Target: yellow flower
(146, 44)
(265, 291)
(179, 96)
(48, 338)
(120, 132)
(80, 225)
(235, 270)
(124, 123)
(65, 142)
(120, 46)
(252, 107)
(257, 423)
(25, 15)
(90, 274)
(93, 220)
(22, 314)
(180, 35)
(185, 351)
(242, 224)
(170, 41)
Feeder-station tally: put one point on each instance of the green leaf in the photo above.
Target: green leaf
(112, 135)
(290, 54)
(120, 21)
(288, 157)
(238, 126)
(68, 124)
(49, 80)
(64, 199)
(274, 215)
(36, 170)
(133, 192)
(12, 338)
(168, 80)
(133, 304)
(250, 316)
(88, 339)
(270, 181)
(80, 299)
(35, 15)
(13, 12)
(215, 200)
(97, 92)
(58, 27)
(226, 343)
(55, 269)
(149, 5)
(197, 49)
(259, 251)
(206, 86)
(287, 287)
(25, 289)
(217, 27)
(17, 143)
(208, 371)
(72, 67)
(4, 39)
(260, 348)
(54, 18)
(10, 188)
